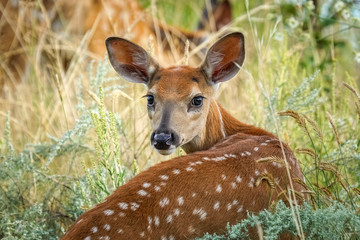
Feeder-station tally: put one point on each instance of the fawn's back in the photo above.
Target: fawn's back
(188, 196)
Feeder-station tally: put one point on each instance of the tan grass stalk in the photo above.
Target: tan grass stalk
(314, 126)
(269, 180)
(333, 169)
(307, 151)
(357, 96)
(298, 118)
(94, 97)
(272, 159)
(334, 128)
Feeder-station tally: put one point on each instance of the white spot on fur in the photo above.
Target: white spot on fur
(149, 220)
(257, 172)
(217, 205)
(263, 144)
(120, 231)
(206, 158)
(134, 206)
(180, 201)
(292, 160)
(169, 219)
(176, 212)
(267, 140)
(142, 234)
(156, 221)
(146, 185)
(164, 177)
(121, 214)
(229, 205)
(240, 209)
(193, 195)
(108, 212)
(163, 202)
(94, 229)
(223, 176)
(142, 192)
(233, 185)
(163, 184)
(200, 212)
(107, 227)
(256, 149)
(80, 221)
(251, 183)
(218, 159)
(176, 171)
(238, 179)
(198, 162)
(277, 164)
(191, 229)
(171, 237)
(87, 238)
(123, 205)
(243, 154)
(248, 153)
(189, 169)
(218, 188)
(157, 188)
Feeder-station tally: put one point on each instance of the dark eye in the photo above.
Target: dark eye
(150, 100)
(197, 101)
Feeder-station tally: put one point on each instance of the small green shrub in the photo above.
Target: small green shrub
(331, 223)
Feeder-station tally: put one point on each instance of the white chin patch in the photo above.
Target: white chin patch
(166, 152)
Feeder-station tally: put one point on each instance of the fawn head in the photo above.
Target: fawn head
(178, 98)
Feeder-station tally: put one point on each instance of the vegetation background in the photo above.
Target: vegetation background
(69, 138)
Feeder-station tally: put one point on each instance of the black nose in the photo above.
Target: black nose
(162, 140)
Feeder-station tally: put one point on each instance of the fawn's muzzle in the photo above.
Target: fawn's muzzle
(165, 142)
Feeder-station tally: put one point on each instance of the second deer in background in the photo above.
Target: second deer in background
(89, 21)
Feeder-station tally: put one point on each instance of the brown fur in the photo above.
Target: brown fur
(223, 176)
(197, 183)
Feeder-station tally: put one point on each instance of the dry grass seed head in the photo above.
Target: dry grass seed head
(275, 159)
(333, 169)
(298, 118)
(307, 151)
(333, 127)
(357, 96)
(315, 127)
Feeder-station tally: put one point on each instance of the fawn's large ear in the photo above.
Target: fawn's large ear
(130, 61)
(224, 58)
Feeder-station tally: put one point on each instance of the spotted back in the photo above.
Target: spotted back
(197, 193)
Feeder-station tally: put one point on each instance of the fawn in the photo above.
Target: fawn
(225, 172)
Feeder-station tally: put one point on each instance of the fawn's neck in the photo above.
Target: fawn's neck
(220, 124)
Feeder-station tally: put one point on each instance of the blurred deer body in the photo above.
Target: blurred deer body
(231, 167)
(90, 21)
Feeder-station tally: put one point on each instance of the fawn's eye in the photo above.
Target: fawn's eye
(150, 100)
(197, 101)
